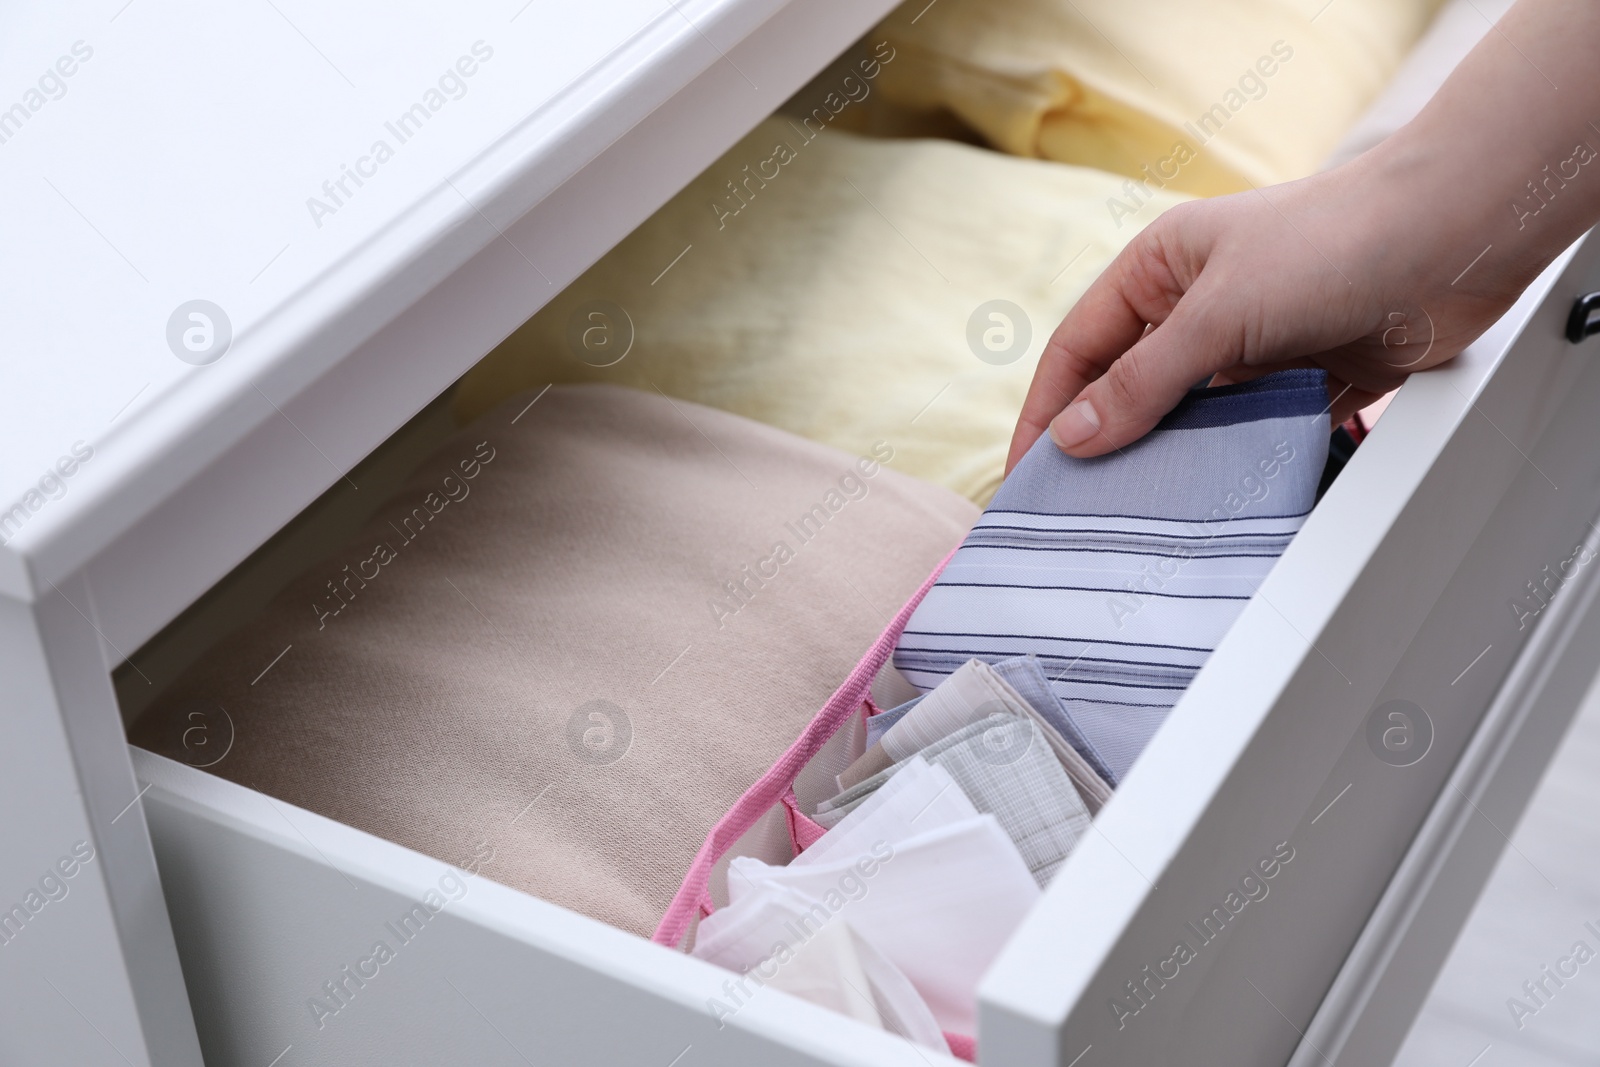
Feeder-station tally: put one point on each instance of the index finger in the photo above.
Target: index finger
(1106, 321)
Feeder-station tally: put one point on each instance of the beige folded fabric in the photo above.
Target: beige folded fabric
(564, 649)
(1254, 91)
(839, 296)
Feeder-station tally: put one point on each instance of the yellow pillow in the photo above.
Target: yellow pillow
(828, 286)
(1211, 97)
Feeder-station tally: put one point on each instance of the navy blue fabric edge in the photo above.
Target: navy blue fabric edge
(1286, 394)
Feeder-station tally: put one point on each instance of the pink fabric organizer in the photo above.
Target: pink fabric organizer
(777, 787)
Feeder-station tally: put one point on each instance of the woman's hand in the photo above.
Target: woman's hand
(1386, 266)
(1296, 275)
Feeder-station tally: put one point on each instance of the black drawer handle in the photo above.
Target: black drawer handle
(1580, 324)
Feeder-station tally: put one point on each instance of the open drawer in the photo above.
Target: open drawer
(1403, 605)
(1311, 750)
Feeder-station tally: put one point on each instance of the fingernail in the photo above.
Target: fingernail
(1075, 425)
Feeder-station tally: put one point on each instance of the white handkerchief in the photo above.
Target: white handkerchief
(772, 939)
(967, 695)
(939, 906)
(840, 967)
(918, 798)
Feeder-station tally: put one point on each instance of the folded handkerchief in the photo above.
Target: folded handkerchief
(776, 937)
(971, 693)
(918, 799)
(762, 915)
(1006, 769)
(1026, 676)
(879, 724)
(939, 906)
(1121, 573)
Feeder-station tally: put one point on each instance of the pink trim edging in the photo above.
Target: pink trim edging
(803, 830)
(962, 1047)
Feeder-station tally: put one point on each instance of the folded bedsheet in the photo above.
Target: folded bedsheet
(831, 285)
(1254, 91)
(572, 640)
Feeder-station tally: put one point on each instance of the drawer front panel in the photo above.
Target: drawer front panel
(280, 914)
(1241, 858)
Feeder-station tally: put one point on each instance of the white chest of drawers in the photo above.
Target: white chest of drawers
(366, 201)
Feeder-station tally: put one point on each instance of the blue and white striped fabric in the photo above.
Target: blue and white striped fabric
(1122, 573)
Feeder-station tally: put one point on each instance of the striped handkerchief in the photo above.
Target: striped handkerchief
(1122, 573)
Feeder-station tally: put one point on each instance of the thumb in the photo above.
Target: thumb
(1145, 382)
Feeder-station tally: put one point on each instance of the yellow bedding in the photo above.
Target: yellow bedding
(825, 283)
(1211, 97)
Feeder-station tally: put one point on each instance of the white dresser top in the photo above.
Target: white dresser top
(295, 165)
